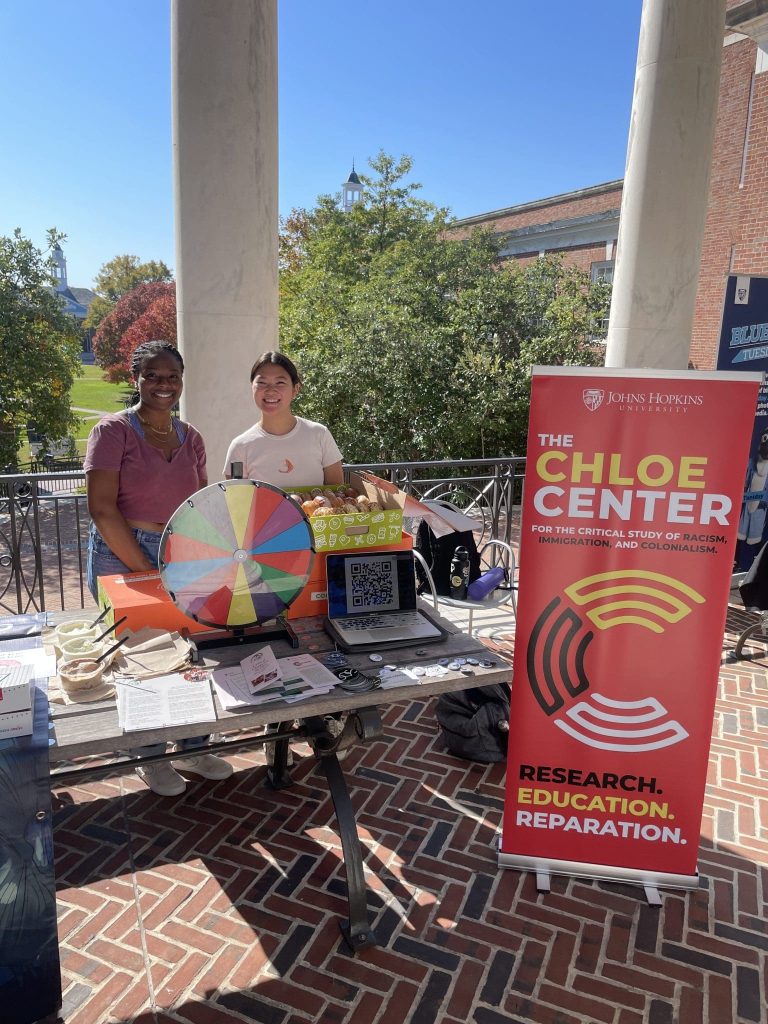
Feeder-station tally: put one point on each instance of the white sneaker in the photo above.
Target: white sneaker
(207, 765)
(335, 727)
(162, 779)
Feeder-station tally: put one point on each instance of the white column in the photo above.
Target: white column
(224, 57)
(666, 184)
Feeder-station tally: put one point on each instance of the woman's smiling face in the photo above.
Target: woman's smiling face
(273, 389)
(160, 382)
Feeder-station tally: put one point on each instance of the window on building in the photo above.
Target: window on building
(602, 271)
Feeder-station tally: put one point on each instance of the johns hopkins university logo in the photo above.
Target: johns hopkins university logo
(593, 398)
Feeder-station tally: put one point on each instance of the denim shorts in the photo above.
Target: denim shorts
(102, 562)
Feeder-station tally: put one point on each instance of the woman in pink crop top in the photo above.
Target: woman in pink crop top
(141, 465)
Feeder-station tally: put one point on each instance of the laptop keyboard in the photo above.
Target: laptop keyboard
(393, 620)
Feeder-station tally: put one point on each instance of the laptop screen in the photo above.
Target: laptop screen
(377, 581)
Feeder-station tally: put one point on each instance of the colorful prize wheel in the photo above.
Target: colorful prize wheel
(236, 554)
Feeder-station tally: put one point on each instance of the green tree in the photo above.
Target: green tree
(414, 344)
(39, 346)
(117, 278)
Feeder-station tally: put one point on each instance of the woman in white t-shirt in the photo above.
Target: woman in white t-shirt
(282, 449)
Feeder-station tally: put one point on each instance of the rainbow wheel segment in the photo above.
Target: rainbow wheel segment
(236, 554)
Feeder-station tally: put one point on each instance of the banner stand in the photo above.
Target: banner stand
(545, 867)
(633, 484)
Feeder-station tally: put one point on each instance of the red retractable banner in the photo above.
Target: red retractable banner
(632, 495)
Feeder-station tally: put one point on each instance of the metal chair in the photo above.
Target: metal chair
(494, 552)
(468, 500)
(757, 632)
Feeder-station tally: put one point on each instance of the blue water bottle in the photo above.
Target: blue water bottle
(486, 583)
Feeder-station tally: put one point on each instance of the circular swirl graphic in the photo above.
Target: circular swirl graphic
(561, 637)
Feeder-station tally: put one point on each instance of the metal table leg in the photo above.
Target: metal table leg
(357, 931)
(278, 775)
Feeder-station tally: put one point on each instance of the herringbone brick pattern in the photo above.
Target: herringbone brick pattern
(222, 906)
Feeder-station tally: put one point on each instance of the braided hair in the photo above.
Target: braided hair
(147, 350)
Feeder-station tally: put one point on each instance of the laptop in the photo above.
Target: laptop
(372, 602)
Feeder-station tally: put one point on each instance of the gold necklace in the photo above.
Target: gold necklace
(157, 430)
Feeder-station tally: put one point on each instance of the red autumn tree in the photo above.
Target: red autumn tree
(156, 323)
(147, 313)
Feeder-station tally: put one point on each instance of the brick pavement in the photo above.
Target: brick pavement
(222, 906)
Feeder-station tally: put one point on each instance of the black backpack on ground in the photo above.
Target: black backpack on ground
(471, 722)
(438, 552)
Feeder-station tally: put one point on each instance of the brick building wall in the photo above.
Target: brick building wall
(593, 200)
(737, 218)
(584, 256)
(583, 225)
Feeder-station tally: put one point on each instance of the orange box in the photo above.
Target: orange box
(313, 599)
(143, 598)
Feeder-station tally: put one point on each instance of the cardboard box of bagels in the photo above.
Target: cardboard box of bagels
(366, 513)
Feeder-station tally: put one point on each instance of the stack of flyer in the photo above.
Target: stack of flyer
(16, 700)
(18, 671)
(261, 679)
(178, 698)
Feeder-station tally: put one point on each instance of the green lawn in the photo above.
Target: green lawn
(91, 391)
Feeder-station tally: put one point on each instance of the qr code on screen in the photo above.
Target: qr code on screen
(373, 584)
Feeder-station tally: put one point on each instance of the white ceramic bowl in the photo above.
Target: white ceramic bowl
(71, 631)
(81, 647)
(80, 674)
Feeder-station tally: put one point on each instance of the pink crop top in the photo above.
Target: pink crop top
(150, 487)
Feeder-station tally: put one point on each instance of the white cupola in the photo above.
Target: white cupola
(352, 191)
(59, 268)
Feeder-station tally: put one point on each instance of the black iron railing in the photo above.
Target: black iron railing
(44, 522)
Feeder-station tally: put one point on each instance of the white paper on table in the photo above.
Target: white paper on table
(43, 665)
(232, 688)
(164, 701)
(307, 669)
(280, 690)
(261, 669)
(299, 676)
(295, 690)
(400, 677)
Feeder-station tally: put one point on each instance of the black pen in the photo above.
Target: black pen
(113, 648)
(97, 620)
(111, 628)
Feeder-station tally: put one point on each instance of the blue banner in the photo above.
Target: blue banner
(30, 975)
(744, 346)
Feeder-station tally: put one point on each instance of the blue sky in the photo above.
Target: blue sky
(498, 103)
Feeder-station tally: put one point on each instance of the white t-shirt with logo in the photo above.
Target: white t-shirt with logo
(295, 459)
